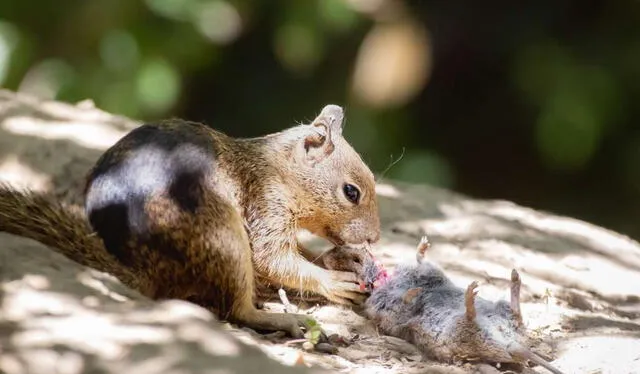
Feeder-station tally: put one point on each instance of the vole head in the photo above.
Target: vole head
(336, 189)
(371, 273)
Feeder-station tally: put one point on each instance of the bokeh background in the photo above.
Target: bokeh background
(531, 101)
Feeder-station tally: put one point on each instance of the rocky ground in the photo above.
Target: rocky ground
(581, 283)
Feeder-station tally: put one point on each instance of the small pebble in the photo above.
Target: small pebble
(326, 348)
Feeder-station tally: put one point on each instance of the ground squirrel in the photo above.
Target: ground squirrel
(191, 213)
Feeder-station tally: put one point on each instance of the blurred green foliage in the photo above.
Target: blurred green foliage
(531, 101)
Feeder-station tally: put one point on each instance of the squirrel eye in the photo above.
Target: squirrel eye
(351, 192)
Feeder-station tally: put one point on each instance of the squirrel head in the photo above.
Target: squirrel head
(336, 189)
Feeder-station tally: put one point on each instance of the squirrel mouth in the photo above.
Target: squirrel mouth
(335, 241)
(331, 236)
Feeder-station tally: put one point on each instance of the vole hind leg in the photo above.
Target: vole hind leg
(515, 295)
(469, 301)
(423, 246)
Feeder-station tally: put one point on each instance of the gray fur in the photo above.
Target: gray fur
(370, 273)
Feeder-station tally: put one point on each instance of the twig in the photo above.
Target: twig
(294, 341)
(288, 307)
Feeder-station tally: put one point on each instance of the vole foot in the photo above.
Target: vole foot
(343, 288)
(515, 295)
(423, 246)
(264, 321)
(469, 301)
(411, 294)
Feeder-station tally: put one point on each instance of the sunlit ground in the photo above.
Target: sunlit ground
(581, 283)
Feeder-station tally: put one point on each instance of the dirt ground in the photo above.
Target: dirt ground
(581, 283)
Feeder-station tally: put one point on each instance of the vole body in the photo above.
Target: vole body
(420, 304)
(183, 211)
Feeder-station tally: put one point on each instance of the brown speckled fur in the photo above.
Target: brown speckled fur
(234, 222)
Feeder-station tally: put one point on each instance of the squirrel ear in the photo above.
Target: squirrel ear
(333, 117)
(318, 144)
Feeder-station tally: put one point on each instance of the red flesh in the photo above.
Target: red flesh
(383, 277)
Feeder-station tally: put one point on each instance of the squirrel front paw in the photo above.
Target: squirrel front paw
(343, 288)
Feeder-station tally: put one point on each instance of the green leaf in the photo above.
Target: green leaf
(311, 322)
(315, 336)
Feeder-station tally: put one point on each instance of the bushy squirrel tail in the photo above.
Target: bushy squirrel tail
(65, 228)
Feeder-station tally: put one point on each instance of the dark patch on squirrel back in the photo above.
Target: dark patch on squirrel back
(186, 190)
(169, 159)
(112, 224)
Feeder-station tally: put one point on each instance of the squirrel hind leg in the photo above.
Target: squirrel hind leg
(217, 252)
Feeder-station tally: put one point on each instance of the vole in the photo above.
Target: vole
(177, 209)
(420, 304)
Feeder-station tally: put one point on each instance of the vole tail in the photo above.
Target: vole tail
(41, 217)
(519, 352)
